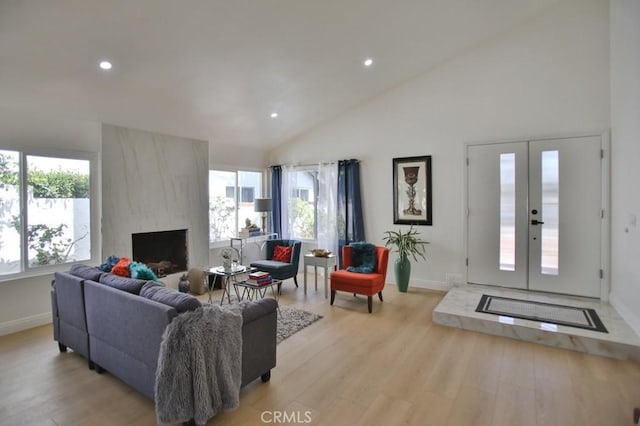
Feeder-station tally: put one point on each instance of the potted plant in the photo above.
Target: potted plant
(406, 244)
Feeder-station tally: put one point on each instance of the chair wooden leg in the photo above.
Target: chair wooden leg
(333, 296)
(295, 280)
(370, 302)
(380, 296)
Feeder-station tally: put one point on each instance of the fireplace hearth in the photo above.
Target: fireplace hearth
(165, 252)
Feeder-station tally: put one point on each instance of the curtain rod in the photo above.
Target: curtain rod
(316, 164)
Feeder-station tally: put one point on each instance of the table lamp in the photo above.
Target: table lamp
(263, 205)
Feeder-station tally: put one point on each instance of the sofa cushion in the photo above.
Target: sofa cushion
(363, 258)
(129, 285)
(141, 271)
(122, 267)
(86, 272)
(282, 254)
(182, 302)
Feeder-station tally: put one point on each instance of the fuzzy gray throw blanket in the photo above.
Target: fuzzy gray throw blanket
(200, 365)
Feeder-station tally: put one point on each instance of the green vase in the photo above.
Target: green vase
(402, 269)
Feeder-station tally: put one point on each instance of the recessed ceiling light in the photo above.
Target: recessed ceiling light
(368, 62)
(274, 115)
(105, 65)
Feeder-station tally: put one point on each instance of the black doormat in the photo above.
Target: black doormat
(544, 312)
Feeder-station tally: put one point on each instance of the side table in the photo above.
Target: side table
(324, 262)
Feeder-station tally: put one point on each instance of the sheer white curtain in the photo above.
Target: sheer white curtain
(327, 198)
(289, 185)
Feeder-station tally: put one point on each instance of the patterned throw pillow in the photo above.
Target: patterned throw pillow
(282, 254)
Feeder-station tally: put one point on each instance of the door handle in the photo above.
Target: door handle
(536, 222)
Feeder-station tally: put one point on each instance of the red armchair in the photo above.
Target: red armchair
(356, 283)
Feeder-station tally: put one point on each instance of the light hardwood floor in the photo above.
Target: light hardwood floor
(392, 367)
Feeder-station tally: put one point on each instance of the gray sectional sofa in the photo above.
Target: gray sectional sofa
(117, 324)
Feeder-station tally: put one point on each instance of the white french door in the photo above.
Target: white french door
(535, 215)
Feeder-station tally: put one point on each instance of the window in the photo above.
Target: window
(303, 194)
(231, 197)
(508, 212)
(55, 226)
(246, 193)
(550, 212)
(302, 203)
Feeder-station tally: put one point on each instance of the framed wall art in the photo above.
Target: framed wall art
(412, 190)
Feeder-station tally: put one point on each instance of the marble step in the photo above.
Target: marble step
(457, 309)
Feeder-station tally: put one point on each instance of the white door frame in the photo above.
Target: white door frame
(605, 223)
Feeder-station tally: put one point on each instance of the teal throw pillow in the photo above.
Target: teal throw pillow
(140, 271)
(363, 258)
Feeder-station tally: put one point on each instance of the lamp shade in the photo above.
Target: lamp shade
(262, 204)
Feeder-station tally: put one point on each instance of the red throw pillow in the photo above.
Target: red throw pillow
(121, 268)
(282, 253)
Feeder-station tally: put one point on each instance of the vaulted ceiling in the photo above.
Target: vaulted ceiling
(217, 69)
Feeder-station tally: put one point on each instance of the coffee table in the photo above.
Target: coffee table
(237, 274)
(255, 292)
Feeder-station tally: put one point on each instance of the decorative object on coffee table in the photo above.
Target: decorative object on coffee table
(229, 256)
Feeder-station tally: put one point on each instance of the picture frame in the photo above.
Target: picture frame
(412, 201)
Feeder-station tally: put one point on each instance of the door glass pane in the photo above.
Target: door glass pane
(508, 212)
(9, 213)
(58, 210)
(550, 212)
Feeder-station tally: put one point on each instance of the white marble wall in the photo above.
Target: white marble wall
(153, 182)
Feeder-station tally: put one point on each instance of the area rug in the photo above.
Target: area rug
(290, 319)
(570, 316)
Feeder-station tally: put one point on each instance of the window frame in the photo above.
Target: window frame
(238, 195)
(95, 197)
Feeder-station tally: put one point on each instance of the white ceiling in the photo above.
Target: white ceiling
(216, 69)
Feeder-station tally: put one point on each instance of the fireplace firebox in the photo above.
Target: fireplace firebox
(165, 252)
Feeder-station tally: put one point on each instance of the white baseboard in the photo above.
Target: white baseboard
(26, 323)
(430, 285)
(631, 317)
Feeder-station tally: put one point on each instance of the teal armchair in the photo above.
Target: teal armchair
(277, 269)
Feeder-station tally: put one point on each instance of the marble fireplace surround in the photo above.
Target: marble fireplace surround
(153, 182)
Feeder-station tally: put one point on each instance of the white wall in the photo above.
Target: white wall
(549, 77)
(231, 157)
(25, 303)
(625, 141)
